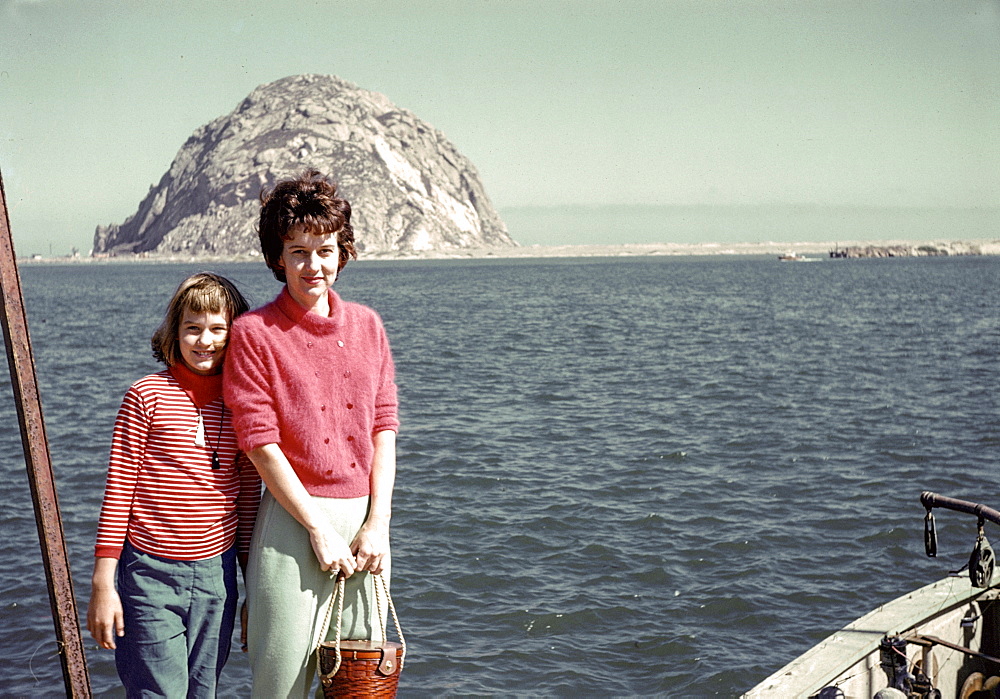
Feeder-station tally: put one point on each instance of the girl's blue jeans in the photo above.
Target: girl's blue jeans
(179, 620)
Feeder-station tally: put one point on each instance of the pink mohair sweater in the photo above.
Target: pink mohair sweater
(320, 388)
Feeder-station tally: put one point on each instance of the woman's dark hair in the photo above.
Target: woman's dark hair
(200, 293)
(308, 201)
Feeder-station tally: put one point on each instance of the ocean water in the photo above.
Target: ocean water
(643, 476)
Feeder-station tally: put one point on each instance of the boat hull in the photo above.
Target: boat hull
(950, 610)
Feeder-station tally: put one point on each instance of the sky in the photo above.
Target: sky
(558, 103)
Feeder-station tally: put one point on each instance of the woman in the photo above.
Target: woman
(179, 508)
(310, 381)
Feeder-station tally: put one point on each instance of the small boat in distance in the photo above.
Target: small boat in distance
(793, 257)
(938, 641)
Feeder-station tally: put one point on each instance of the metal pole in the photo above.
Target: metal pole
(36, 457)
(931, 500)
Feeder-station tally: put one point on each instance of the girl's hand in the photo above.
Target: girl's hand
(371, 545)
(105, 619)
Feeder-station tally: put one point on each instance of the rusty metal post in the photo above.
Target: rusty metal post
(36, 457)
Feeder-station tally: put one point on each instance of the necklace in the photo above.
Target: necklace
(199, 435)
(206, 389)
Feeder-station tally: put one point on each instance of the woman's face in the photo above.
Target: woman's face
(202, 338)
(310, 265)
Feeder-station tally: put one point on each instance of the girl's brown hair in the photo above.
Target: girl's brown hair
(200, 293)
(308, 201)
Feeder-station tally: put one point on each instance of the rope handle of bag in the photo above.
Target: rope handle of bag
(337, 599)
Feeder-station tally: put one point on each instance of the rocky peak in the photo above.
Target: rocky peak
(409, 187)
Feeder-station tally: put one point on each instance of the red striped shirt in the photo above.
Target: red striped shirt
(162, 492)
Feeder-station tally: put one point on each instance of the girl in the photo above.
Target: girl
(179, 508)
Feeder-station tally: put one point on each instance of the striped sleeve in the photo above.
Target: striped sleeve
(128, 446)
(246, 506)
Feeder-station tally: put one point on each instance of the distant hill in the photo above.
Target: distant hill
(409, 187)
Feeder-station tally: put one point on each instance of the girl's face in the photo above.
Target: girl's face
(202, 338)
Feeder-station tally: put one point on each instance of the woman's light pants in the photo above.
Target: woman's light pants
(288, 596)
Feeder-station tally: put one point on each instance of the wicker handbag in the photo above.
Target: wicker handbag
(360, 668)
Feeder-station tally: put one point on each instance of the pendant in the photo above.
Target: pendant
(215, 461)
(199, 433)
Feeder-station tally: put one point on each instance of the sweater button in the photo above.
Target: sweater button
(353, 465)
(350, 438)
(309, 344)
(347, 374)
(322, 407)
(350, 406)
(340, 343)
(326, 441)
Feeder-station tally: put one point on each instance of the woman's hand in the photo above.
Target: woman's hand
(371, 545)
(332, 551)
(105, 618)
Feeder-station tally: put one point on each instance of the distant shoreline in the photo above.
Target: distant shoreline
(818, 250)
